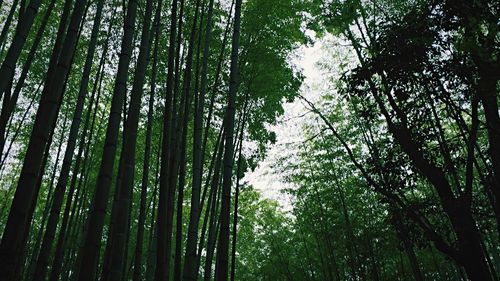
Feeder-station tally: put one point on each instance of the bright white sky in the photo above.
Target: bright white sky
(288, 129)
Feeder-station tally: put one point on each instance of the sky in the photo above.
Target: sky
(288, 129)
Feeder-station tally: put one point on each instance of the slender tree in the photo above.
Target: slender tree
(9, 104)
(25, 22)
(118, 253)
(221, 269)
(12, 245)
(68, 156)
(161, 272)
(8, 20)
(214, 225)
(147, 152)
(237, 191)
(88, 253)
(190, 256)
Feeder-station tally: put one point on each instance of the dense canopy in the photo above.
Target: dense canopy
(249, 140)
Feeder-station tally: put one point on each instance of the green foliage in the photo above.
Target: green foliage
(362, 206)
(271, 32)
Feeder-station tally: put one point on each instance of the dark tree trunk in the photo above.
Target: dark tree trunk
(89, 252)
(235, 220)
(237, 191)
(190, 268)
(214, 165)
(215, 85)
(84, 145)
(18, 127)
(10, 103)
(12, 245)
(147, 153)
(161, 272)
(458, 209)
(121, 230)
(488, 94)
(48, 202)
(43, 257)
(9, 63)
(7, 23)
(178, 270)
(221, 269)
(180, 200)
(213, 228)
(153, 234)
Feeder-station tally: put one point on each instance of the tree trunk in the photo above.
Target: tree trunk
(215, 85)
(43, 257)
(6, 24)
(488, 94)
(190, 268)
(161, 268)
(153, 235)
(235, 218)
(22, 30)
(120, 232)
(221, 269)
(213, 224)
(469, 253)
(18, 128)
(211, 183)
(147, 153)
(237, 191)
(180, 201)
(12, 246)
(89, 252)
(10, 104)
(46, 209)
(8, 21)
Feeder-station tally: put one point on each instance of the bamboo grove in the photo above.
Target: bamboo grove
(395, 177)
(115, 117)
(128, 129)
